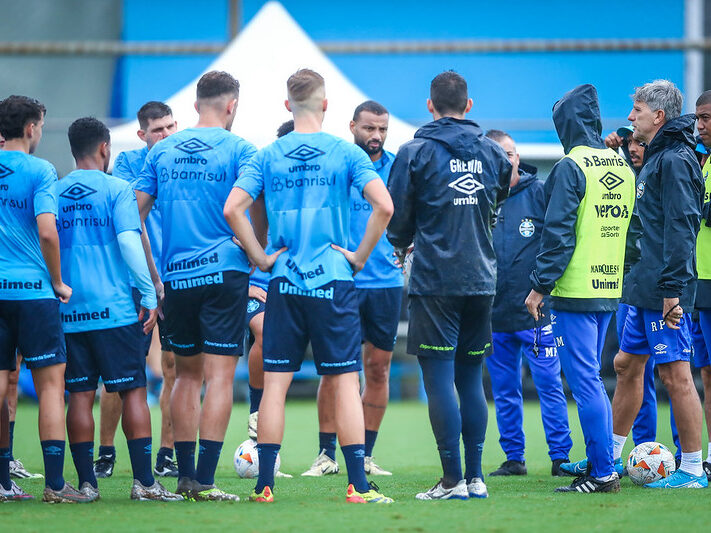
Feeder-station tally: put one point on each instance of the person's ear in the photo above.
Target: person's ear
(141, 135)
(470, 103)
(287, 105)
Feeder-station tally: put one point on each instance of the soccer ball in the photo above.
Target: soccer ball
(650, 461)
(246, 460)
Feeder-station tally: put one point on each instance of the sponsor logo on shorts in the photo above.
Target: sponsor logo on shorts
(277, 361)
(199, 281)
(189, 264)
(220, 344)
(118, 380)
(339, 364)
(9, 284)
(436, 348)
(480, 352)
(77, 191)
(252, 306)
(193, 146)
(287, 288)
(77, 380)
(660, 348)
(526, 228)
(5, 171)
(75, 316)
(304, 152)
(42, 357)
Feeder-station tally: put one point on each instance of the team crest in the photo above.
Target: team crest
(252, 306)
(640, 189)
(527, 228)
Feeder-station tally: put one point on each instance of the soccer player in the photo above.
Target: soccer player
(100, 232)
(156, 122)
(662, 284)
(306, 178)
(31, 287)
(206, 275)
(446, 185)
(379, 288)
(517, 235)
(590, 196)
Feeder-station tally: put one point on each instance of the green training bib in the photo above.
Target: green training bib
(703, 241)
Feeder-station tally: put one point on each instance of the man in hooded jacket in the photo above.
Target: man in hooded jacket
(446, 185)
(580, 264)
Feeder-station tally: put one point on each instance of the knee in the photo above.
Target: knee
(627, 365)
(676, 376)
(377, 372)
(13, 377)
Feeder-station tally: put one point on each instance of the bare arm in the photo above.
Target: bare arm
(145, 204)
(49, 245)
(258, 214)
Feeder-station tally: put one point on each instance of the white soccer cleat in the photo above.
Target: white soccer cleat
(252, 425)
(372, 469)
(477, 488)
(438, 492)
(18, 471)
(155, 492)
(323, 466)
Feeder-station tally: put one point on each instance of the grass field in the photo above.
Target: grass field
(405, 446)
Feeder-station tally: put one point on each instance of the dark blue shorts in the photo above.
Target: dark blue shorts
(34, 328)
(379, 316)
(206, 315)
(115, 355)
(701, 339)
(447, 327)
(645, 333)
(254, 307)
(328, 319)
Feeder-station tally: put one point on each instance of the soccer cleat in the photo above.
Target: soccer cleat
(580, 468)
(155, 492)
(266, 496)
(279, 473)
(555, 467)
(252, 425)
(323, 466)
(104, 466)
(439, 492)
(87, 489)
(166, 468)
(14, 494)
(67, 494)
(680, 480)
(588, 484)
(372, 469)
(372, 496)
(477, 488)
(18, 471)
(185, 488)
(210, 493)
(707, 470)
(511, 468)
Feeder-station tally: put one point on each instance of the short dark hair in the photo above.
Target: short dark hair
(16, 112)
(217, 83)
(151, 111)
(448, 92)
(85, 135)
(370, 106)
(704, 99)
(302, 84)
(497, 135)
(285, 128)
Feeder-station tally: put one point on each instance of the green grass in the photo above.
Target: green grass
(405, 446)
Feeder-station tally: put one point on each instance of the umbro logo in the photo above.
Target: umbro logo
(77, 192)
(304, 152)
(466, 184)
(53, 450)
(193, 146)
(611, 181)
(660, 347)
(5, 172)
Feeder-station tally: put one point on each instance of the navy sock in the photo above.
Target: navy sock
(5, 468)
(83, 456)
(255, 398)
(12, 438)
(327, 443)
(267, 459)
(475, 415)
(107, 450)
(445, 418)
(370, 437)
(164, 454)
(139, 450)
(354, 455)
(185, 455)
(53, 454)
(207, 461)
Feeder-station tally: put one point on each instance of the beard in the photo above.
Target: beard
(370, 149)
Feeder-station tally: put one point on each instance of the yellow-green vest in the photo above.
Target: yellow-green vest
(703, 241)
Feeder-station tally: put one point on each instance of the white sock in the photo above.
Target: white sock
(691, 463)
(618, 443)
(605, 479)
(708, 455)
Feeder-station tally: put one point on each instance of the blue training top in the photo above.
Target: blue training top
(93, 209)
(306, 179)
(380, 271)
(191, 173)
(26, 191)
(128, 166)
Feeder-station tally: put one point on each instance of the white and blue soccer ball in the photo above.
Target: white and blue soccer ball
(649, 462)
(246, 460)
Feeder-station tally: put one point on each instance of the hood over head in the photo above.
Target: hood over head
(577, 118)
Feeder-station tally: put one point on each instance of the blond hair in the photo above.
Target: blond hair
(306, 89)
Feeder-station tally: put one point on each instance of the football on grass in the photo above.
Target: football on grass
(246, 460)
(650, 461)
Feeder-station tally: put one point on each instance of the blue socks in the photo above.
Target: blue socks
(164, 454)
(370, 437)
(475, 415)
(5, 456)
(185, 455)
(207, 461)
(267, 459)
(139, 450)
(53, 454)
(12, 438)
(354, 454)
(255, 398)
(327, 443)
(107, 450)
(83, 456)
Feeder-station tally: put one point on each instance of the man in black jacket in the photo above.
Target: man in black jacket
(517, 236)
(661, 286)
(446, 185)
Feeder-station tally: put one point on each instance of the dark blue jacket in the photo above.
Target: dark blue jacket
(446, 185)
(517, 235)
(577, 120)
(670, 192)
(634, 232)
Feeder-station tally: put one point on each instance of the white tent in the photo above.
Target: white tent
(269, 49)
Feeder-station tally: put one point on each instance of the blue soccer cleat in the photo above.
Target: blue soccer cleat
(680, 480)
(580, 468)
